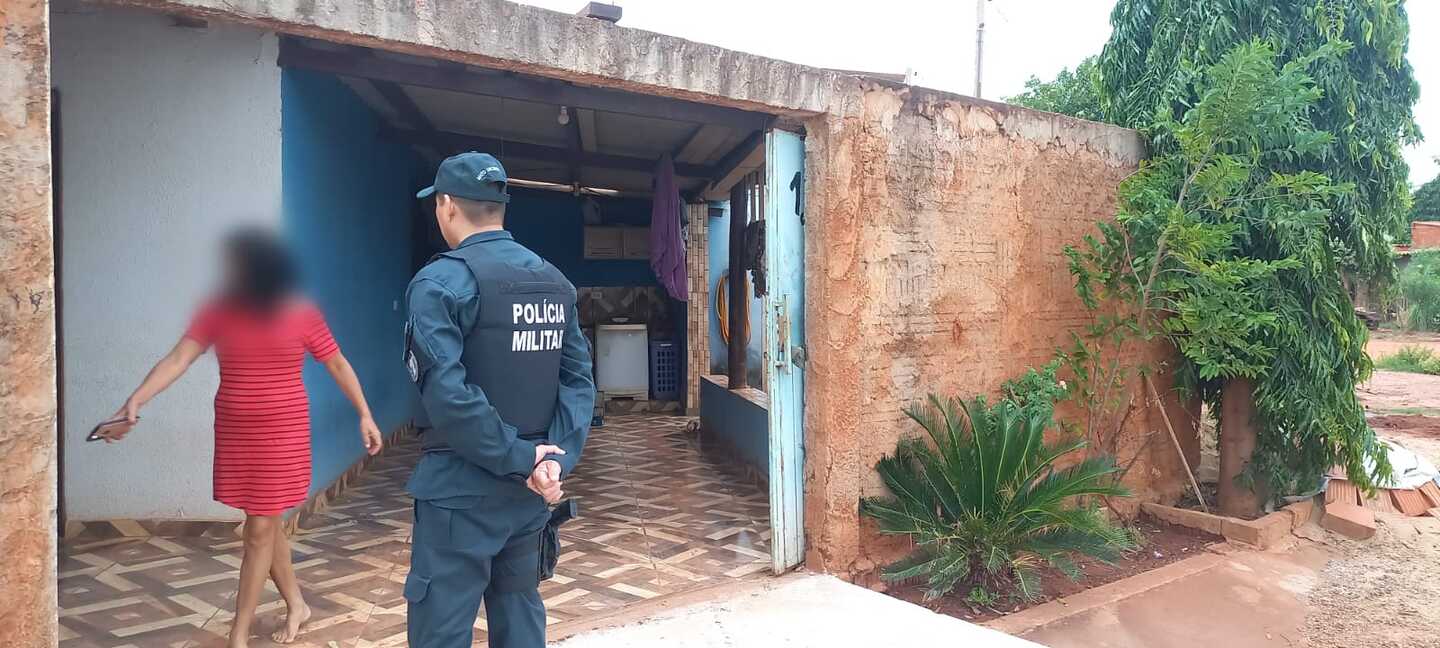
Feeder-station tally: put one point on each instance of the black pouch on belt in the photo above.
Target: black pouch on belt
(550, 537)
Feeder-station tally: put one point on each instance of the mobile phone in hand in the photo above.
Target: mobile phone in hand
(96, 433)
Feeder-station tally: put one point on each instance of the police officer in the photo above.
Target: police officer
(494, 346)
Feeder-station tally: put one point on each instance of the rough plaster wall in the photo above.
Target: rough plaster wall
(27, 331)
(522, 38)
(171, 135)
(934, 264)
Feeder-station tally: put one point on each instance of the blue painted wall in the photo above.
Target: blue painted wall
(347, 199)
(719, 263)
(738, 423)
(552, 224)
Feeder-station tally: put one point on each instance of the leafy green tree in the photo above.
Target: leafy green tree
(987, 505)
(1075, 93)
(1235, 262)
(1158, 47)
(1425, 204)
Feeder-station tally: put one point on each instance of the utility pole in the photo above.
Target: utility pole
(979, 43)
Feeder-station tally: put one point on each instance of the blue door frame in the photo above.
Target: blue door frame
(784, 342)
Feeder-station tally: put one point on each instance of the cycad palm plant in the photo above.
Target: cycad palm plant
(986, 504)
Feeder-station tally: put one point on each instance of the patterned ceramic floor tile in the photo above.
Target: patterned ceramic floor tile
(658, 517)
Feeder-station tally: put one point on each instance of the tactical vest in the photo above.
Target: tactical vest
(513, 351)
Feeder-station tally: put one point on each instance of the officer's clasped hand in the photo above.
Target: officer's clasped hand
(544, 480)
(544, 450)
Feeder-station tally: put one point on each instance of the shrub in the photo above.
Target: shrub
(1420, 285)
(1037, 390)
(1413, 359)
(986, 504)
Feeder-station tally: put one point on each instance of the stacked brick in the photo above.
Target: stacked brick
(697, 325)
(1424, 235)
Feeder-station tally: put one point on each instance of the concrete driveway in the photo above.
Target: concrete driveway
(1241, 600)
(798, 611)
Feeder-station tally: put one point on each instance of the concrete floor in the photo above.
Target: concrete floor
(1241, 600)
(799, 611)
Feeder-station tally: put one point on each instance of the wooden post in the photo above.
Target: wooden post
(739, 303)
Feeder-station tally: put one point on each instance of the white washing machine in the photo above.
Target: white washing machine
(622, 360)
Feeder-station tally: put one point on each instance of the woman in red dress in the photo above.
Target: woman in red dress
(261, 333)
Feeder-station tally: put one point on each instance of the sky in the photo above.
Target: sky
(936, 40)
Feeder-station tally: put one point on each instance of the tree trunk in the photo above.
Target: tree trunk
(1238, 436)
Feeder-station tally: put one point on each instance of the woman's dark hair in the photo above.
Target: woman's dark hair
(264, 271)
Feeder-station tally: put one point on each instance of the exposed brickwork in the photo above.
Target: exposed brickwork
(1300, 512)
(1424, 235)
(27, 331)
(1349, 520)
(1207, 522)
(934, 264)
(1263, 533)
(697, 259)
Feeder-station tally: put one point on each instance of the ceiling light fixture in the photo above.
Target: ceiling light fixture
(564, 116)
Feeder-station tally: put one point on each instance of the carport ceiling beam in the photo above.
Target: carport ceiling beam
(585, 121)
(576, 143)
(741, 160)
(508, 148)
(297, 55)
(699, 144)
(403, 104)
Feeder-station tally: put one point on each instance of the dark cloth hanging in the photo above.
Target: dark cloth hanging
(755, 255)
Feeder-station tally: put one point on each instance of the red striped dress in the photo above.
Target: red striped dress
(262, 415)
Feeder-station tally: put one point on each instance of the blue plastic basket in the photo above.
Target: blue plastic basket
(664, 370)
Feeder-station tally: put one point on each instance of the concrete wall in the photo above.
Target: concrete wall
(349, 198)
(934, 264)
(719, 263)
(27, 330)
(522, 38)
(170, 134)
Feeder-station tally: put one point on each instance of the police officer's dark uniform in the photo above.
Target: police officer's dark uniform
(494, 344)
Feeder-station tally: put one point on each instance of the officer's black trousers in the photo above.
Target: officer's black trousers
(470, 548)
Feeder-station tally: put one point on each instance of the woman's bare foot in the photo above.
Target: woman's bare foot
(237, 641)
(295, 618)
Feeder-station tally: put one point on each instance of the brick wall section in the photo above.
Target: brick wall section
(1424, 235)
(697, 255)
(27, 331)
(934, 263)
